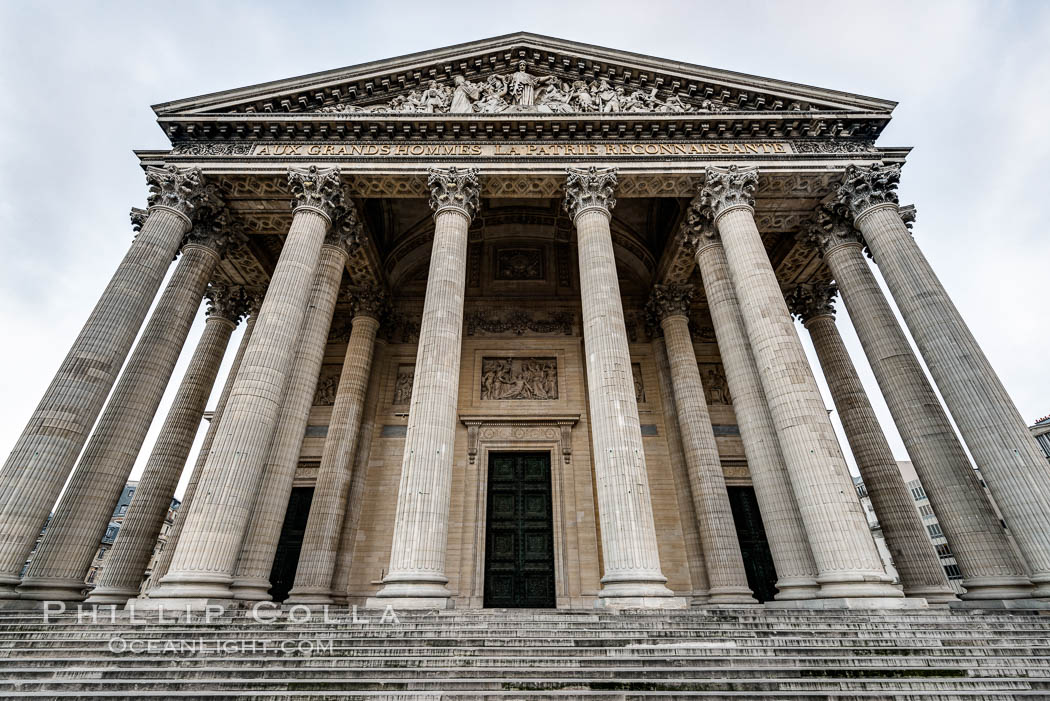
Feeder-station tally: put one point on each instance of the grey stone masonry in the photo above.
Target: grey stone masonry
(164, 559)
(251, 579)
(205, 556)
(126, 562)
(356, 497)
(913, 555)
(796, 571)
(64, 555)
(1011, 462)
(697, 567)
(985, 556)
(848, 563)
(669, 305)
(317, 561)
(629, 548)
(45, 453)
(416, 577)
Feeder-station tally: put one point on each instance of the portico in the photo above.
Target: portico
(526, 300)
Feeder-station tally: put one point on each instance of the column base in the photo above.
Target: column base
(730, 595)
(193, 586)
(111, 595)
(857, 585)
(994, 588)
(1042, 586)
(851, 602)
(251, 589)
(52, 589)
(618, 592)
(933, 595)
(9, 586)
(412, 591)
(796, 589)
(309, 597)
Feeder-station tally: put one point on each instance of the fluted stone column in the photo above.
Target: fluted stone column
(317, 561)
(796, 571)
(848, 563)
(71, 540)
(204, 559)
(985, 556)
(416, 577)
(356, 498)
(45, 453)
(629, 548)
(697, 566)
(1006, 453)
(127, 560)
(251, 578)
(920, 569)
(164, 559)
(669, 306)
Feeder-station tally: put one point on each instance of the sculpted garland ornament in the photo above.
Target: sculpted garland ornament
(521, 91)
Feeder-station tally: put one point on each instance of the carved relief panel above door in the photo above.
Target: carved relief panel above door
(519, 378)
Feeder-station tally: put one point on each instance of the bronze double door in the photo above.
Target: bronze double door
(519, 547)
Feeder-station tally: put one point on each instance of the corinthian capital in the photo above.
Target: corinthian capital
(668, 300)
(698, 228)
(231, 302)
(810, 301)
(830, 226)
(316, 188)
(214, 231)
(347, 231)
(138, 218)
(454, 188)
(182, 190)
(725, 188)
(864, 188)
(371, 302)
(593, 188)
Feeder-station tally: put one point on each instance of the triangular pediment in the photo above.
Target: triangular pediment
(524, 73)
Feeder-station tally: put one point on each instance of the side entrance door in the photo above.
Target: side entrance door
(519, 548)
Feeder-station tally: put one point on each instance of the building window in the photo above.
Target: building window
(943, 550)
(934, 529)
(926, 510)
(952, 571)
(101, 553)
(123, 509)
(918, 493)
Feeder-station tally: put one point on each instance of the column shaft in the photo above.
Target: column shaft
(126, 562)
(164, 560)
(843, 550)
(913, 555)
(251, 579)
(1006, 453)
(796, 571)
(722, 557)
(42, 458)
(206, 554)
(313, 576)
(417, 558)
(356, 500)
(629, 548)
(75, 531)
(697, 567)
(986, 559)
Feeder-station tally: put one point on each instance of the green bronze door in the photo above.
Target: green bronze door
(758, 561)
(519, 548)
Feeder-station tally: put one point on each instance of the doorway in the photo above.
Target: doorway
(519, 534)
(758, 561)
(286, 559)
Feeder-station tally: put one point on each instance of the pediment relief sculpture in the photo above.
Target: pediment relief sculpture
(521, 91)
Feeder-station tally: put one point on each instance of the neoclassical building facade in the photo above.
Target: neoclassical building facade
(519, 331)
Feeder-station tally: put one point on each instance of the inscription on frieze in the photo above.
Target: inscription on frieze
(519, 378)
(496, 150)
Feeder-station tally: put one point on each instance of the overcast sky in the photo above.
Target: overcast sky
(78, 79)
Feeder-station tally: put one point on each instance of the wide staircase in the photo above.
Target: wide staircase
(530, 654)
